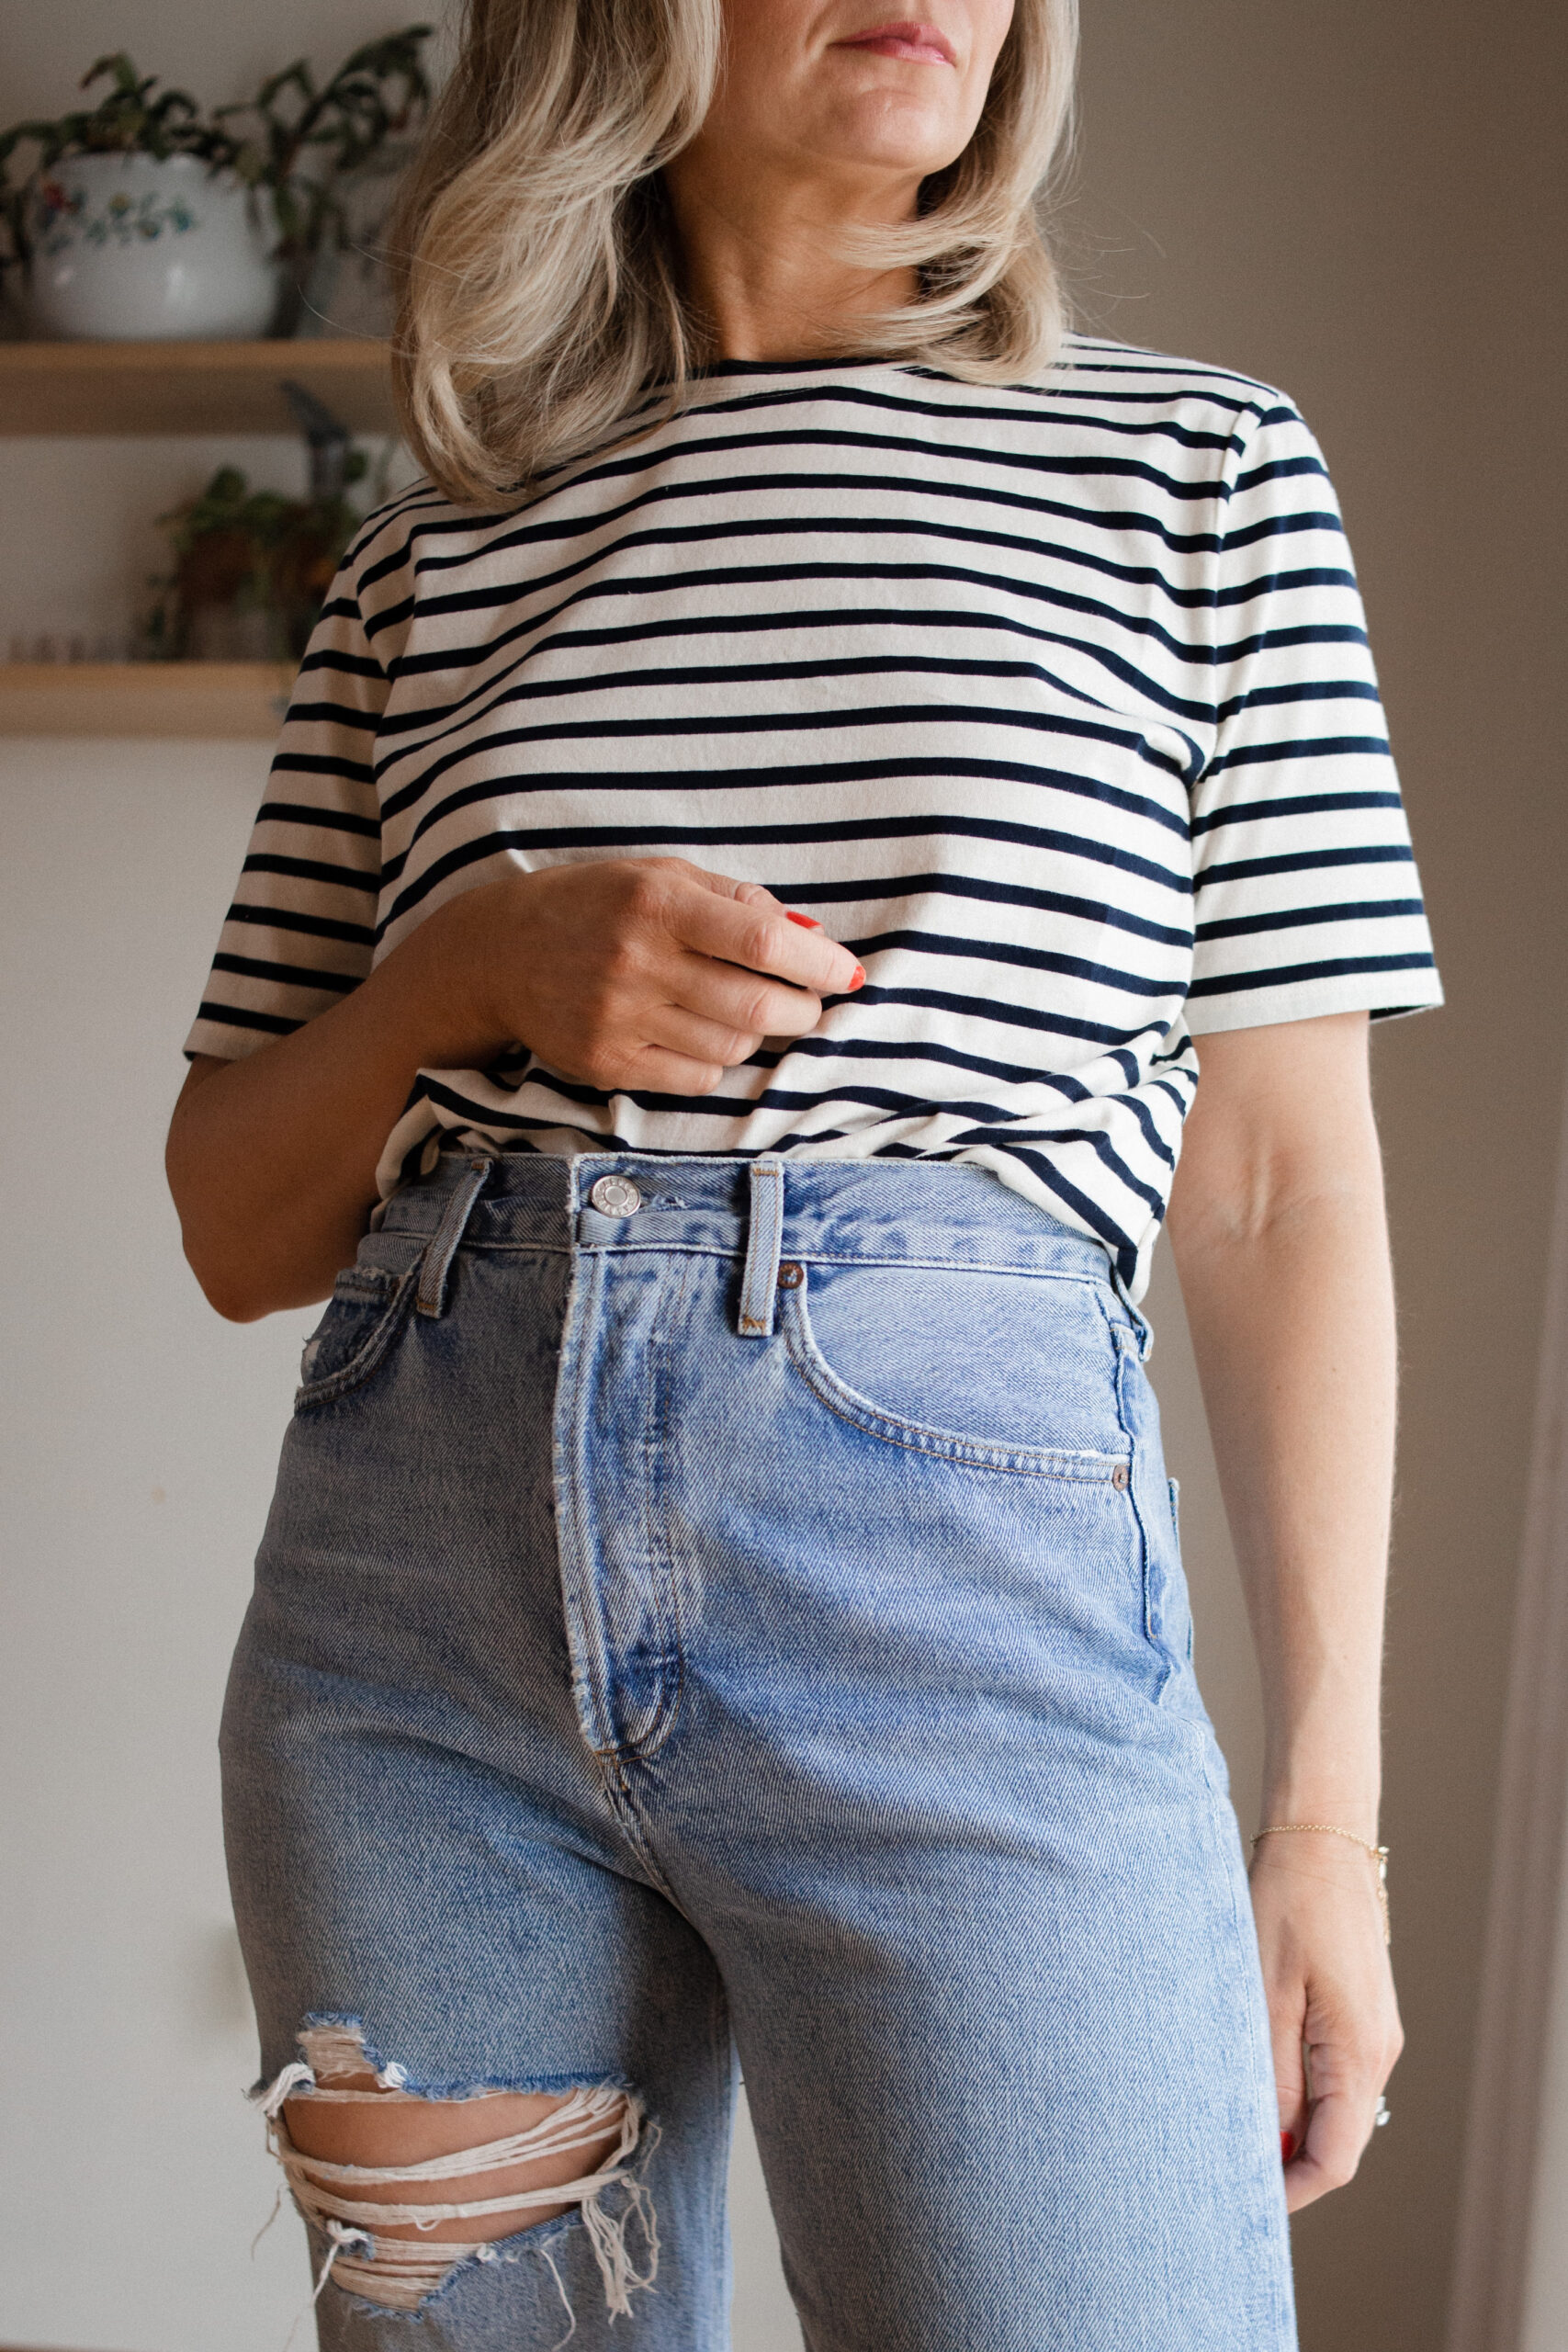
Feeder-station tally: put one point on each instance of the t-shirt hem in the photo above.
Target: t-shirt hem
(223, 1044)
(1266, 1008)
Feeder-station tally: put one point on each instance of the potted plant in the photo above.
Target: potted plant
(251, 569)
(144, 217)
(312, 148)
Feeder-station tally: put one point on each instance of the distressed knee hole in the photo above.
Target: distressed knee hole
(405, 2188)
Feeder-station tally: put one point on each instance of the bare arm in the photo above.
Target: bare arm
(1277, 1227)
(626, 973)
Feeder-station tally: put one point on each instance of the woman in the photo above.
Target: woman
(754, 841)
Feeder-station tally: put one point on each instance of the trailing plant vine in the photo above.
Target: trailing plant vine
(300, 142)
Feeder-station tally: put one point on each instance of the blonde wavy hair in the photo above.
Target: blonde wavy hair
(538, 267)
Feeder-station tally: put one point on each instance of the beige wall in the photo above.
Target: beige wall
(1360, 199)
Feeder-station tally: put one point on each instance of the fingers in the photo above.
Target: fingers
(1334, 2020)
(743, 1003)
(724, 886)
(757, 934)
(718, 1044)
(1337, 2129)
(653, 1071)
(1350, 2050)
(1285, 2022)
(650, 974)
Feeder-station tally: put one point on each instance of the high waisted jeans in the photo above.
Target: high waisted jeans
(718, 1608)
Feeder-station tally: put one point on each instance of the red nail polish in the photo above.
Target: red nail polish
(1287, 2146)
(857, 977)
(807, 922)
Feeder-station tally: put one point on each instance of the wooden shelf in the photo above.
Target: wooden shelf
(145, 387)
(231, 699)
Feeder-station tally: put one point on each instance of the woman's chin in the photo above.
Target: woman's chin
(883, 134)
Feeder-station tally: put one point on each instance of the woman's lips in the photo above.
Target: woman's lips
(904, 39)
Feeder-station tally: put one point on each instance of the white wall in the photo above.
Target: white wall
(138, 1432)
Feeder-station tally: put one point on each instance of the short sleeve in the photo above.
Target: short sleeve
(302, 931)
(1307, 898)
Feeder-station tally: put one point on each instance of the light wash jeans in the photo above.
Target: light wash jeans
(746, 1616)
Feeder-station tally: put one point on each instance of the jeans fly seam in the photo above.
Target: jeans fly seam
(623, 1804)
(575, 1549)
(657, 1549)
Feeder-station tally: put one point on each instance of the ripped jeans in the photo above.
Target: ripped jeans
(716, 1608)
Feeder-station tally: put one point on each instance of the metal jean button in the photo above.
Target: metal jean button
(615, 1196)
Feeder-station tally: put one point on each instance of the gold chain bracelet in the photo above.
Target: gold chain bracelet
(1331, 1829)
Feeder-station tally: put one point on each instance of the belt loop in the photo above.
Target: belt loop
(441, 1247)
(764, 1238)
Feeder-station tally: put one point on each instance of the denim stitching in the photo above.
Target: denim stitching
(657, 1546)
(367, 1357)
(944, 1445)
(571, 1512)
(1128, 1355)
(765, 1232)
(624, 1808)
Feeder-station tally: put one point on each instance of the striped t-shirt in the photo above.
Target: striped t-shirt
(1055, 704)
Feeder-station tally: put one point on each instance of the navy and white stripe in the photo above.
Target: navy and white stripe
(1053, 703)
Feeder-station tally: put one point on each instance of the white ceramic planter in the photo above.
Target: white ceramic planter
(127, 247)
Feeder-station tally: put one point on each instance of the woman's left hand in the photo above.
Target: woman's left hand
(1332, 2011)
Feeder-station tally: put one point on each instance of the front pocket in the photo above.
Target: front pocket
(363, 1315)
(1019, 1454)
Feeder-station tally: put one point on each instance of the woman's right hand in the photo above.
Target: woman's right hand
(624, 973)
(636, 974)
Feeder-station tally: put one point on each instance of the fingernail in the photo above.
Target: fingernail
(807, 922)
(857, 977)
(1287, 2146)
